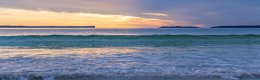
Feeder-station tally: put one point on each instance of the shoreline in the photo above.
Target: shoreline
(123, 76)
(50, 27)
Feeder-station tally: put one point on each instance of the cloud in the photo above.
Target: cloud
(91, 6)
(156, 14)
(205, 12)
(50, 18)
(105, 7)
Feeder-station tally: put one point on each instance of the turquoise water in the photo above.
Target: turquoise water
(133, 54)
(94, 41)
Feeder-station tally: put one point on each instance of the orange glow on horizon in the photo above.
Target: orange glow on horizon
(50, 18)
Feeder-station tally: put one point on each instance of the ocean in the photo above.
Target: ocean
(130, 54)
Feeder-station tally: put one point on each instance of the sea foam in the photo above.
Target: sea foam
(202, 62)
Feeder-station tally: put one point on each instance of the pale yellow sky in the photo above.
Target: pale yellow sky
(9, 16)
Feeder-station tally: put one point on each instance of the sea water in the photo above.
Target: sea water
(129, 54)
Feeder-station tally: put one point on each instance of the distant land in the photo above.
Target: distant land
(241, 26)
(178, 27)
(47, 27)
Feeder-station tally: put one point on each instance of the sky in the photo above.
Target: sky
(129, 13)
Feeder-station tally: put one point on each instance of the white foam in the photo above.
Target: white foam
(228, 63)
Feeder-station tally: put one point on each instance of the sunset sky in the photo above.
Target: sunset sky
(129, 13)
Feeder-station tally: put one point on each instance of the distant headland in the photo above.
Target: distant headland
(47, 26)
(178, 27)
(241, 26)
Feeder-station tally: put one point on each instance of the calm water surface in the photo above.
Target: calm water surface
(203, 31)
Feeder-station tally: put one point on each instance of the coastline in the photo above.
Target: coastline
(122, 76)
(51, 27)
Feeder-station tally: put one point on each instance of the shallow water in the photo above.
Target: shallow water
(91, 56)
